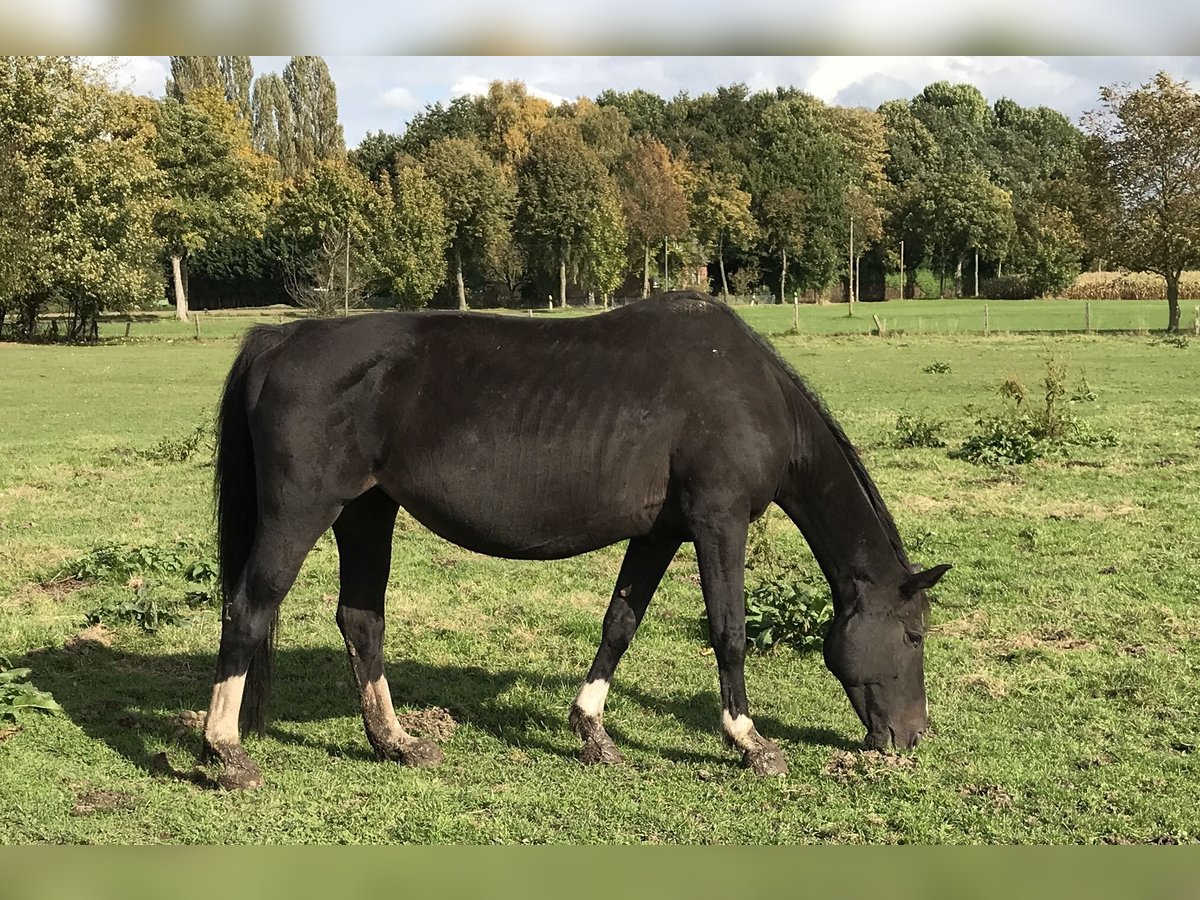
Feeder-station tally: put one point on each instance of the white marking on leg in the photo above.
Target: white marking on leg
(379, 715)
(740, 730)
(591, 697)
(221, 726)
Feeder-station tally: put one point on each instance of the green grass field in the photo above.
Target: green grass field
(1063, 671)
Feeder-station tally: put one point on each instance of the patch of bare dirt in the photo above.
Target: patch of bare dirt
(919, 502)
(1056, 639)
(846, 765)
(988, 684)
(968, 626)
(90, 638)
(1084, 510)
(95, 801)
(61, 587)
(434, 723)
(989, 793)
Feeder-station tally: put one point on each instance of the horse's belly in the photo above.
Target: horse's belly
(549, 516)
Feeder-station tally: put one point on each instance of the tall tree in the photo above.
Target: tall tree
(77, 195)
(273, 126)
(722, 218)
(216, 184)
(784, 223)
(565, 198)
(315, 211)
(645, 112)
(801, 183)
(604, 128)
(462, 117)
(377, 153)
(190, 74)
(237, 73)
(654, 202)
(959, 118)
(508, 118)
(478, 200)
(1148, 161)
(950, 214)
(413, 238)
(313, 96)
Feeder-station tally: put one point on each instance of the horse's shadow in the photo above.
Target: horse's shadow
(131, 702)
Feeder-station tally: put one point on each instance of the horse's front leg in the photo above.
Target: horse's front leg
(721, 555)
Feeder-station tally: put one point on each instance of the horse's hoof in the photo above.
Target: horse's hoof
(600, 753)
(420, 754)
(238, 771)
(765, 760)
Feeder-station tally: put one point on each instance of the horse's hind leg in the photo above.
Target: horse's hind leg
(643, 567)
(364, 539)
(280, 545)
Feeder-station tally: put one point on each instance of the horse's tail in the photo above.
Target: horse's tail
(236, 492)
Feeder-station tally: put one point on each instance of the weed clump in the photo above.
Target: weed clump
(785, 604)
(1035, 427)
(917, 431)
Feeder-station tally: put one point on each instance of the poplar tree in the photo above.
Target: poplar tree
(317, 133)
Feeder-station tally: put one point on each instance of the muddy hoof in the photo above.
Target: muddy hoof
(238, 771)
(600, 753)
(765, 760)
(420, 754)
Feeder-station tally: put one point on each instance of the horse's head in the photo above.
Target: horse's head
(876, 648)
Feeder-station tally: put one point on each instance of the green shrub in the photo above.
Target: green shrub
(915, 431)
(937, 367)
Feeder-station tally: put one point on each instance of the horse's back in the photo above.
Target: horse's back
(522, 436)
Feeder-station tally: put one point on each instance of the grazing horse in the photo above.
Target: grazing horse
(666, 421)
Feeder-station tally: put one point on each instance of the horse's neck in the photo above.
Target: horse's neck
(823, 496)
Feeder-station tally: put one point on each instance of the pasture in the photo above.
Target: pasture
(1063, 669)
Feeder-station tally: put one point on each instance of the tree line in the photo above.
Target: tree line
(242, 186)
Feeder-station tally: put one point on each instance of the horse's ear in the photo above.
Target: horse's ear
(923, 581)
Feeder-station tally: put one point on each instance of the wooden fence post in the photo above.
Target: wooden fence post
(128, 322)
(1087, 316)
(880, 328)
(1196, 322)
(196, 318)
(987, 321)
(795, 312)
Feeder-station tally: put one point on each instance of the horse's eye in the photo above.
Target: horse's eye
(913, 638)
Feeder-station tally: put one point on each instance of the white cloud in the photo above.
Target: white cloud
(1023, 77)
(136, 74)
(400, 98)
(477, 86)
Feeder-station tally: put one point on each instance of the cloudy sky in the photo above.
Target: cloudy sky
(382, 92)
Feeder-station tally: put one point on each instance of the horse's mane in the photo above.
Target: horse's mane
(848, 450)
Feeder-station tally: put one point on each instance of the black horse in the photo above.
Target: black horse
(666, 421)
